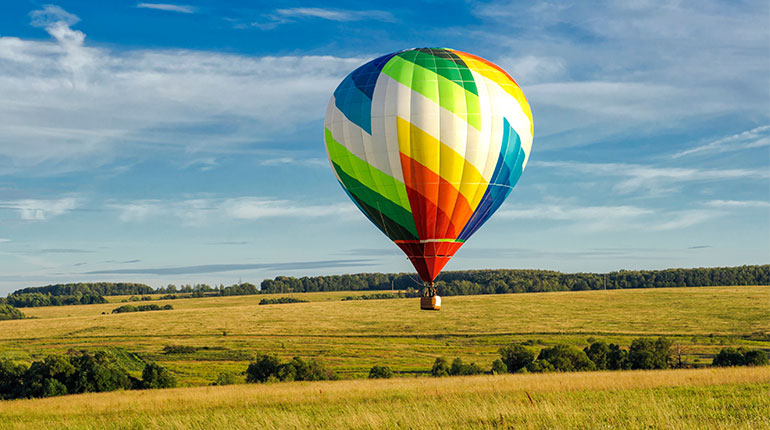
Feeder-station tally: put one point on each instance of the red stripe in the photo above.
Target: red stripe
(438, 208)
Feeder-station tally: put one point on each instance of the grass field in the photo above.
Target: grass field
(352, 336)
(730, 398)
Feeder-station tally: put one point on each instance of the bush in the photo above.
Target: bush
(380, 372)
(156, 376)
(565, 358)
(650, 354)
(516, 357)
(141, 308)
(458, 368)
(617, 359)
(268, 367)
(226, 379)
(740, 357)
(264, 367)
(37, 378)
(498, 367)
(440, 368)
(179, 349)
(98, 373)
(8, 312)
(281, 300)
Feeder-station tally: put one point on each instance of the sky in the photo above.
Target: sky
(183, 142)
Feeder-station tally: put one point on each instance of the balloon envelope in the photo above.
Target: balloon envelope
(428, 143)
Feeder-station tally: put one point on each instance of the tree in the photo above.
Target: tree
(37, 378)
(598, 352)
(156, 376)
(226, 378)
(516, 357)
(617, 359)
(8, 312)
(11, 377)
(377, 372)
(440, 368)
(98, 373)
(650, 354)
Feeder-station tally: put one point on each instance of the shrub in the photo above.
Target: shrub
(565, 358)
(516, 357)
(440, 368)
(179, 349)
(226, 378)
(281, 300)
(458, 368)
(379, 372)
(156, 376)
(97, 373)
(264, 367)
(498, 367)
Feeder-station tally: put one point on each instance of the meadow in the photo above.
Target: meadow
(352, 336)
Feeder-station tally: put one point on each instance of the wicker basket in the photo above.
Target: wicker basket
(430, 303)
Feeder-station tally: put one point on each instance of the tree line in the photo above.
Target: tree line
(57, 375)
(503, 281)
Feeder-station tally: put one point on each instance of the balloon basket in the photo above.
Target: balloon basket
(430, 303)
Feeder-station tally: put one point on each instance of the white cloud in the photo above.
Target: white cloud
(3, 240)
(754, 138)
(335, 14)
(738, 204)
(31, 209)
(194, 212)
(168, 7)
(612, 218)
(67, 106)
(309, 162)
(639, 68)
(636, 177)
(256, 208)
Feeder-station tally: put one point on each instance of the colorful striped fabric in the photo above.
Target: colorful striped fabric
(428, 143)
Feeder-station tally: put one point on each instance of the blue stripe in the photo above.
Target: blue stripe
(353, 97)
(507, 172)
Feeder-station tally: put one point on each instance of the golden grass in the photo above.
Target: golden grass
(732, 398)
(352, 336)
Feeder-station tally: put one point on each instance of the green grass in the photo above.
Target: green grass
(352, 336)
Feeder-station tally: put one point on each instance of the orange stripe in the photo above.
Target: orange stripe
(440, 211)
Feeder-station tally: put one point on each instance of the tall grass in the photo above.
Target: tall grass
(732, 398)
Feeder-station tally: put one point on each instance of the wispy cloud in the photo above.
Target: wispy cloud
(168, 7)
(309, 162)
(738, 204)
(289, 15)
(754, 138)
(635, 177)
(4, 240)
(68, 106)
(613, 218)
(31, 209)
(64, 251)
(198, 211)
(214, 268)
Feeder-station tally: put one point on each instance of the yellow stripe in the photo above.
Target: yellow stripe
(503, 81)
(442, 160)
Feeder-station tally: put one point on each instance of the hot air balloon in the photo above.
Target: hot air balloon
(428, 143)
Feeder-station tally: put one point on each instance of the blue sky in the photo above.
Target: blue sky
(182, 143)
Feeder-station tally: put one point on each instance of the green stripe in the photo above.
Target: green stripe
(455, 71)
(386, 210)
(377, 190)
(437, 88)
(391, 188)
(390, 228)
